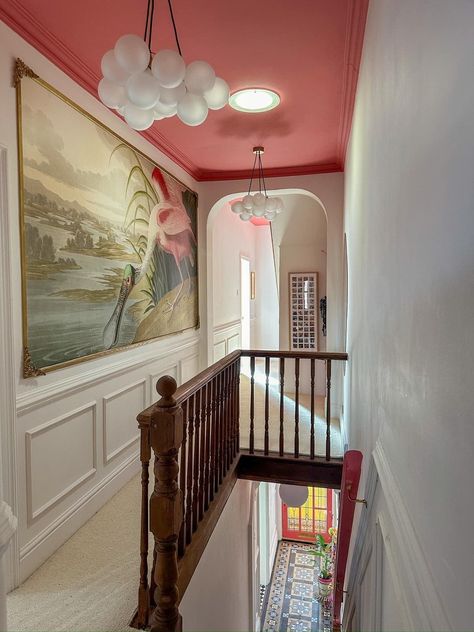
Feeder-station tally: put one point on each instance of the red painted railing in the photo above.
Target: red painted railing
(349, 485)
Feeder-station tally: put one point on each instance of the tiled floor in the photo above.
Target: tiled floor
(292, 604)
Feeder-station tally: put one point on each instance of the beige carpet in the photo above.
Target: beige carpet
(91, 582)
(289, 420)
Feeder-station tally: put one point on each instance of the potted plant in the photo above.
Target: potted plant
(326, 552)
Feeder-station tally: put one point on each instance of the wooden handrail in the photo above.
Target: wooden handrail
(316, 355)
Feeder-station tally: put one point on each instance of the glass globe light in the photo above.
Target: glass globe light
(237, 207)
(245, 216)
(247, 201)
(200, 77)
(270, 204)
(293, 495)
(111, 94)
(192, 109)
(259, 211)
(279, 205)
(218, 96)
(169, 68)
(171, 96)
(270, 215)
(137, 118)
(259, 199)
(112, 70)
(132, 53)
(165, 110)
(143, 89)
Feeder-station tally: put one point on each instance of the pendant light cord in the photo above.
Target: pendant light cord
(253, 171)
(174, 27)
(150, 12)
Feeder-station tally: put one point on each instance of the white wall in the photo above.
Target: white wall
(409, 218)
(328, 189)
(218, 597)
(73, 441)
(231, 239)
(266, 301)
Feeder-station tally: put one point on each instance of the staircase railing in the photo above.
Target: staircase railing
(194, 432)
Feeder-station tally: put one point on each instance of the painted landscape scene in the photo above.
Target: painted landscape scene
(109, 239)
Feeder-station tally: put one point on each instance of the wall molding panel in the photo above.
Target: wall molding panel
(226, 338)
(108, 420)
(32, 477)
(45, 543)
(386, 528)
(96, 413)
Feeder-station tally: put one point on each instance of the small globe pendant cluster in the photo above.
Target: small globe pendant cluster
(143, 92)
(258, 204)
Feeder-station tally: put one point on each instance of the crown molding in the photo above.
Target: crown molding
(355, 29)
(27, 26)
(275, 172)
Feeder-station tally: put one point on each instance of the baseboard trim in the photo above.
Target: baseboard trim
(40, 548)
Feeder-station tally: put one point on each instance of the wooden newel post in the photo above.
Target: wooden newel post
(166, 506)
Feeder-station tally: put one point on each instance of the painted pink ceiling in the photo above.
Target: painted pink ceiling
(308, 51)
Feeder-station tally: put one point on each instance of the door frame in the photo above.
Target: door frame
(308, 537)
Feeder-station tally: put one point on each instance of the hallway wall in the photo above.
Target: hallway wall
(70, 436)
(409, 219)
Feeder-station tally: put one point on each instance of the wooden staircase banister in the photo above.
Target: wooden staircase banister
(194, 434)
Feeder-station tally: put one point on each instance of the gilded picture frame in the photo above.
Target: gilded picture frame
(108, 237)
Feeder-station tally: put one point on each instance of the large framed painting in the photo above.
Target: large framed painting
(109, 239)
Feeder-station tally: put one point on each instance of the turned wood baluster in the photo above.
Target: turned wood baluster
(214, 439)
(182, 481)
(196, 482)
(252, 404)
(282, 405)
(311, 438)
(189, 474)
(221, 429)
(228, 414)
(328, 410)
(208, 448)
(297, 407)
(202, 460)
(143, 590)
(237, 405)
(166, 506)
(266, 439)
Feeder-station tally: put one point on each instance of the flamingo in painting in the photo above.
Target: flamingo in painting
(169, 228)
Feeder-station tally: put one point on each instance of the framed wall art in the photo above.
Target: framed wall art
(303, 290)
(109, 249)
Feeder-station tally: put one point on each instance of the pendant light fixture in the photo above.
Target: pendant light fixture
(258, 204)
(145, 87)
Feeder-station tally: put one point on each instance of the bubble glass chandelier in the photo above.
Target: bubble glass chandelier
(258, 204)
(145, 87)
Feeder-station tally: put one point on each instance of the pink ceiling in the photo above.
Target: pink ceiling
(306, 50)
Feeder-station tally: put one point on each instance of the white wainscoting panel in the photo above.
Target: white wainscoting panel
(120, 426)
(189, 367)
(401, 593)
(226, 338)
(60, 456)
(77, 441)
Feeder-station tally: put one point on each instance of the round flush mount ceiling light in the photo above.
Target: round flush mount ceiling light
(254, 100)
